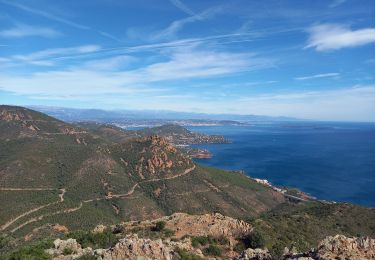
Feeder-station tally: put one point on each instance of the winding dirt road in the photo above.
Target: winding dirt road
(131, 191)
(10, 222)
(69, 210)
(46, 215)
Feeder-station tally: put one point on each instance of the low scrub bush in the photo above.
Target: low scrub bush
(159, 226)
(185, 255)
(94, 240)
(200, 241)
(68, 251)
(254, 240)
(213, 250)
(205, 240)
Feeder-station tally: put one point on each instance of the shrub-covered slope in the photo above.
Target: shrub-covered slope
(54, 172)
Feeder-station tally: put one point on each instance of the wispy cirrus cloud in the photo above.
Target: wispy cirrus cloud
(193, 63)
(329, 37)
(51, 56)
(177, 25)
(23, 30)
(45, 14)
(56, 18)
(107, 64)
(317, 76)
(45, 57)
(180, 5)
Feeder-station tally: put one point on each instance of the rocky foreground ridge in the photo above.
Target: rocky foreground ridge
(338, 247)
(182, 245)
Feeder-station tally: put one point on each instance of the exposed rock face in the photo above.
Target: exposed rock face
(16, 115)
(99, 229)
(339, 247)
(130, 247)
(254, 254)
(60, 228)
(207, 224)
(159, 158)
(133, 247)
(159, 148)
(342, 247)
(215, 225)
(199, 225)
(23, 123)
(157, 141)
(70, 245)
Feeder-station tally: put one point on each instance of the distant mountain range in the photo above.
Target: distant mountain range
(125, 116)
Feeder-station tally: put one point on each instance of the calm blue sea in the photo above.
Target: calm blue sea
(332, 161)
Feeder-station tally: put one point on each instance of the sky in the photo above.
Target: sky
(312, 59)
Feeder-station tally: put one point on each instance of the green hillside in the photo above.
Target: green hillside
(80, 178)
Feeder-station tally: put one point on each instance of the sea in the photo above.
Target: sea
(330, 161)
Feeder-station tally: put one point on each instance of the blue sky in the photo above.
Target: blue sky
(307, 59)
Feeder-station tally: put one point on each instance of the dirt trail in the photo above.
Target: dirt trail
(46, 215)
(61, 195)
(10, 222)
(26, 189)
(131, 191)
(63, 191)
(210, 188)
(192, 192)
(173, 176)
(72, 133)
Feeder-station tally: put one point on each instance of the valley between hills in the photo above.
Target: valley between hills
(61, 180)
